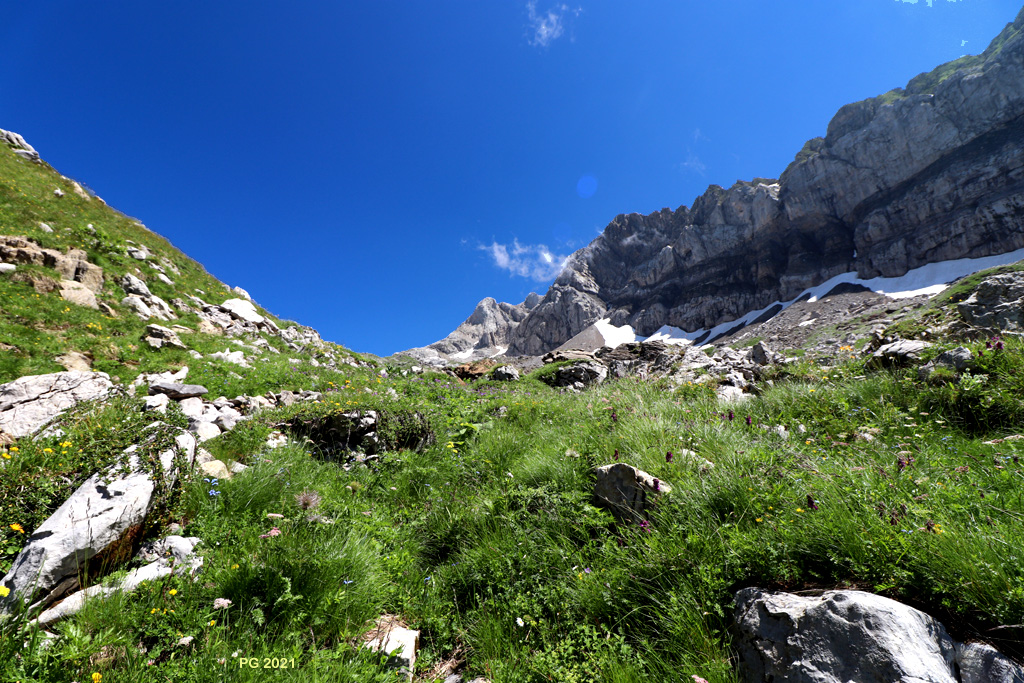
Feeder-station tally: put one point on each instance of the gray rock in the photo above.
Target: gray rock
(7, 268)
(192, 407)
(578, 375)
(204, 431)
(78, 294)
(837, 637)
(18, 144)
(29, 403)
(958, 360)
(158, 337)
(74, 265)
(242, 293)
(981, 663)
(629, 493)
(158, 403)
(133, 285)
(505, 373)
(45, 228)
(177, 391)
(236, 357)
(898, 354)
(400, 644)
(215, 469)
(99, 513)
(996, 304)
(243, 309)
(762, 354)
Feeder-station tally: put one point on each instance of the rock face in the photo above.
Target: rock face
(926, 173)
(484, 334)
(73, 266)
(18, 144)
(842, 636)
(28, 403)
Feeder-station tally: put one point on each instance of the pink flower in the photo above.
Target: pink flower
(221, 603)
(273, 532)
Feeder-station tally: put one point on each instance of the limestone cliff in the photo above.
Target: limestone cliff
(926, 173)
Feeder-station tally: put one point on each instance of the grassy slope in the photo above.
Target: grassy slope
(487, 540)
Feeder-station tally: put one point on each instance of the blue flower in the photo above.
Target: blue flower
(214, 493)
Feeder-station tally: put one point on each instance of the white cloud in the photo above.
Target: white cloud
(547, 27)
(698, 136)
(693, 163)
(534, 261)
(928, 2)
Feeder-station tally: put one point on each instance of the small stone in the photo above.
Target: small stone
(215, 469)
(177, 391)
(204, 431)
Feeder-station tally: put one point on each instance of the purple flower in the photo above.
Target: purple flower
(615, 416)
(731, 415)
(999, 346)
(657, 485)
(749, 421)
(587, 570)
(668, 457)
(645, 526)
(616, 454)
(810, 502)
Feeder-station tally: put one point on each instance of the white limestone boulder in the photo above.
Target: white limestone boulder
(29, 403)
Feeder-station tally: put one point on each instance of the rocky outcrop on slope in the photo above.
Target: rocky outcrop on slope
(928, 173)
(484, 334)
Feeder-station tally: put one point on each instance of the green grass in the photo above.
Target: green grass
(493, 525)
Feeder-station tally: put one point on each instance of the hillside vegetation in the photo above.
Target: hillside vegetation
(475, 524)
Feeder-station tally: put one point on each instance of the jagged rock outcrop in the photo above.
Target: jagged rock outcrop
(18, 144)
(484, 334)
(926, 173)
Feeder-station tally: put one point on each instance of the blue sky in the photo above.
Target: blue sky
(374, 169)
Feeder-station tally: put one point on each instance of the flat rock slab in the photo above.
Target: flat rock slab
(176, 391)
(29, 403)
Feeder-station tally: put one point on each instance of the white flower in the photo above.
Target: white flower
(221, 603)
(519, 620)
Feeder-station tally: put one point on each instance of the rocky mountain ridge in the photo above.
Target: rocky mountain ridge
(922, 174)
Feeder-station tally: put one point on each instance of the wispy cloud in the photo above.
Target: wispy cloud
(534, 261)
(698, 136)
(927, 2)
(693, 163)
(548, 26)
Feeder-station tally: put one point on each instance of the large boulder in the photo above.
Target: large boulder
(842, 636)
(900, 353)
(29, 403)
(74, 265)
(105, 515)
(578, 375)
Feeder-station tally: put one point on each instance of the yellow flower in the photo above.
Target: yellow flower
(173, 591)
(14, 449)
(153, 611)
(212, 622)
(4, 591)
(758, 519)
(97, 677)
(17, 527)
(799, 509)
(6, 456)
(234, 566)
(47, 450)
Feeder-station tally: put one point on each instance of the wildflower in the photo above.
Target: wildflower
(587, 570)
(758, 520)
(274, 515)
(799, 509)
(212, 622)
(519, 621)
(657, 485)
(17, 527)
(810, 502)
(346, 581)
(14, 449)
(97, 677)
(698, 679)
(153, 611)
(234, 566)
(749, 421)
(4, 591)
(273, 532)
(214, 493)
(221, 603)
(668, 457)
(173, 591)
(6, 456)
(731, 415)
(645, 525)
(47, 450)
(616, 456)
